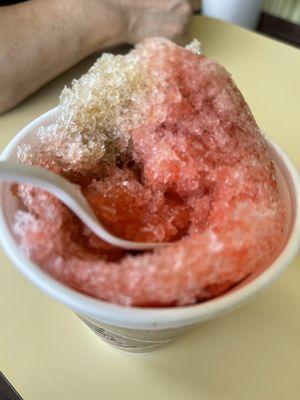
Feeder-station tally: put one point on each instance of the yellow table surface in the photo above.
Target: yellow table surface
(253, 353)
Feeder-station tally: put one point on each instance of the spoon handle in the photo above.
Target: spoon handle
(71, 195)
(36, 176)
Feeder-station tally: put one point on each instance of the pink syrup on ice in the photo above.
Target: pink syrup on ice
(165, 148)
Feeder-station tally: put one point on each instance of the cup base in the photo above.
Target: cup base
(133, 340)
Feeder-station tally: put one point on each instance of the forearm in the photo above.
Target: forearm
(39, 39)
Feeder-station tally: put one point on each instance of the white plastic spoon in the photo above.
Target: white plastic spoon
(70, 194)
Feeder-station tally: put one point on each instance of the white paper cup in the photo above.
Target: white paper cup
(145, 329)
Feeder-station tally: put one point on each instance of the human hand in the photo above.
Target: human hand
(145, 18)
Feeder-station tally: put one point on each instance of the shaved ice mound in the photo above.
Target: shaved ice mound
(165, 149)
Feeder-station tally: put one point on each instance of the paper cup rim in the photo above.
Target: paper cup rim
(144, 317)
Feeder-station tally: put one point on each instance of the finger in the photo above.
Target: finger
(183, 8)
(195, 4)
(181, 5)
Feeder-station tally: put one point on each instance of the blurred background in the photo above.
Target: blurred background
(275, 18)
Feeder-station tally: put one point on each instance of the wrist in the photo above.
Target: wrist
(101, 23)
